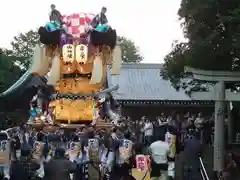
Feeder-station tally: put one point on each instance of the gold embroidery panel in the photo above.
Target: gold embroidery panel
(74, 110)
(78, 85)
(68, 67)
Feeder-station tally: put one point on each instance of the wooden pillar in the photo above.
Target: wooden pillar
(219, 127)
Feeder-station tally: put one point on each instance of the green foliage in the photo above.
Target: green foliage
(130, 52)
(213, 32)
(9, 74)
(23, 45)
(173, 67)
(9, 71)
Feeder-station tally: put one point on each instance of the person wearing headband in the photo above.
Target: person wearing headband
(100, 21)
(55, 15)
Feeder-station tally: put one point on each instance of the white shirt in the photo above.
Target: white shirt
(159, 152)
(148, 129)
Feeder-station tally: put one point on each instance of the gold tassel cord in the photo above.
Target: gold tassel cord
(37, 60)
(117, 61)
(54, 75)
(97, 71)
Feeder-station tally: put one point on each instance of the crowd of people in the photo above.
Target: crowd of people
(49, 155)
(44, 154)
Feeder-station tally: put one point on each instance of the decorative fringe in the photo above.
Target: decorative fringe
(96, 116)
(54, 74)
(37, 60)
(97, 71)
(45, 63)
(117, 61)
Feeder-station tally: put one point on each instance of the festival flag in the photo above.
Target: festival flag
(141, 162)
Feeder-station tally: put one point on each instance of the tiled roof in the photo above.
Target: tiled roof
(143, 82)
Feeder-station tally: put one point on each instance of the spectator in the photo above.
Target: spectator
(148, 132)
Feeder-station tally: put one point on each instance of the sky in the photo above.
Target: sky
(153, 25)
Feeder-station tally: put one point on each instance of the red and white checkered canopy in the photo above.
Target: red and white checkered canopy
(77, 23)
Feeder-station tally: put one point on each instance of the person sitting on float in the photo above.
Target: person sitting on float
(55, 15)
(49, 116)
(45, 118)
(32, 112)
(56, 22)
(52, 26)
(100, 22)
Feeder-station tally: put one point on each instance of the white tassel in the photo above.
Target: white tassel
(117, 61)
(37, 60)
(45, 63)
(97, 71)
(54, 75)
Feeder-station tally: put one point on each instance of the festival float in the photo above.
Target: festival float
(77, 60)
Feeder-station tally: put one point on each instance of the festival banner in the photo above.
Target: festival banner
(74, 149)
(4, 152)
(93, 149)
(125, 150)
(37, 150)
(141, 162)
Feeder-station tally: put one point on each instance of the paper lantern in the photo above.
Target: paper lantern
(68, 53)
(81, 54)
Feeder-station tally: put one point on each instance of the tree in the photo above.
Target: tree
(9, 71)
(130, 52)
(9, 74)
(23, 45)
(212, 30)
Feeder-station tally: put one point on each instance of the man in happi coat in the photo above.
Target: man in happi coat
(55, 15)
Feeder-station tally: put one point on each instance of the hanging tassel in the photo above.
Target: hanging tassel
(54, 74)
(117, 61)
(45, 63)
(37, 60)
(95, 115)
(97, 71)
(106, 55)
